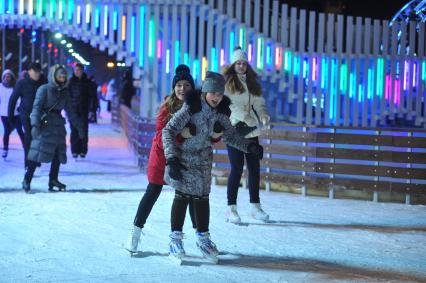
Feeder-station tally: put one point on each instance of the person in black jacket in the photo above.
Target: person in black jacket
(127, 91)
(83, 97)
(26, 89)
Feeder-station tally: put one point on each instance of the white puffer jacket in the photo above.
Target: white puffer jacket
(242, 105)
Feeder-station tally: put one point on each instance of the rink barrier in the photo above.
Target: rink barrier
(387, 164)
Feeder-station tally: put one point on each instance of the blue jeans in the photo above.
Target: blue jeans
(236, 157)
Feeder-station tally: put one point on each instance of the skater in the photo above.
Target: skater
(248, 110)
(84, 103)
(25, 90)
(127, 89)
(6, 89)
(48, 127)
(189, 164)
(182, 83)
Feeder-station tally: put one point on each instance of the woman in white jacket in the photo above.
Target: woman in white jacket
(248, 111)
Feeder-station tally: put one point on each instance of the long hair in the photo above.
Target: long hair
(173, 104)
(234, 85)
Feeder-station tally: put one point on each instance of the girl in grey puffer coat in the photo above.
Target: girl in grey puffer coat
(189, 165)
(48, 143)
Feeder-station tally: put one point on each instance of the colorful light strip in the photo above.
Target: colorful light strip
(214, 60)
(250, 53)
(39, 8)
(324, 74)
(70, 10)
(60, 9)
(278, 57)
(242, 37)
(204, 66)
(97, 17)
(106, 16)
(177, 53)
(21, 7)
(123, 28)
(151, 37)
(268, 55)
(380, 77)
(222, 57)
(142, 40)
(397, 92)
(115, 20)
(52, 8)
(87, 19)
(352, 85)
(333, 87)
(159, 47)
(78, 14)
(186, 58)
(195, 69)
(132, 33)
(343, 78)
(231, 44)
(30, 7)
(167, 61)
(11, 7)
(260, 51)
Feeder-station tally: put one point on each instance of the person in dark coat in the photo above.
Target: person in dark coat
(182, 82)
(83, 97)
(25, 90)
(127, 91)
(48, 127)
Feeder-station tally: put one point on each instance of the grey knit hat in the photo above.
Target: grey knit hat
(214, 82)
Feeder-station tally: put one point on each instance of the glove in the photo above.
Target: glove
(265, 119)
(193, 99)
(35, 132)
(217, 130)
(189, 131)
(91, 116)
(256, 149)
(176, 168)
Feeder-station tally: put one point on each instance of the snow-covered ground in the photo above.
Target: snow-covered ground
(78, 236)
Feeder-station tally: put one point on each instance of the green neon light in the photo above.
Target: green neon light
(380, 77)
(141, 35)
(343, 78)
(151, 38)
(242, 37)
(52, 9)
(424, 70)
(132, 33)
(10, 7)
(176, 51)
(260, 51)
(61, 9)
(287, 61)
(70, 10)
(352, 84)
(2, 4)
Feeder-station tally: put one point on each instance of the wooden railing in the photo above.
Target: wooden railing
(374, 160)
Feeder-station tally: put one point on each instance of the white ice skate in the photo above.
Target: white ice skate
(177, 252)
(232, 214)
(258, 213)
(207, 247)
(135, 236)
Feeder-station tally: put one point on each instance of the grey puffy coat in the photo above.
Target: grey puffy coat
(48, 138)
(196, 153)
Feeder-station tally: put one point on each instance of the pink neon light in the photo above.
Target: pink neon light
(278, 57)
(387, 86)
(314, 68)
(159, 45)
(222, 57)
(414, 75)
(397, 93)
(250, 50)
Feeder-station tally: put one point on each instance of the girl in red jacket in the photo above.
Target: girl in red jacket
(182, 83)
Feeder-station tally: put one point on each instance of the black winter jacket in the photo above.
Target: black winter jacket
(83, 95)
(26, 90)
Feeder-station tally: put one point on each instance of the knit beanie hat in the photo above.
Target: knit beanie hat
(8, 72)
(238, 55)
(214, 82)
(182, 73)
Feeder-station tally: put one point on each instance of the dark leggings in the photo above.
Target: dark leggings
(147, 202)
(8, 129)
(236, 158)
(54, 168)
(201, 211)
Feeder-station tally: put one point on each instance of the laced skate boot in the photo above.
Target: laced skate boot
(4, 154)
(55, 183)
(207, 247)
(135, 236)
(176, 244)
(232, 214)
(258, 213)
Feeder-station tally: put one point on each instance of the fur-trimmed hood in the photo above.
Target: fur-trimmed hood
(51, 77)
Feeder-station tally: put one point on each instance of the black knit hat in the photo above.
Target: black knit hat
(183, 72)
